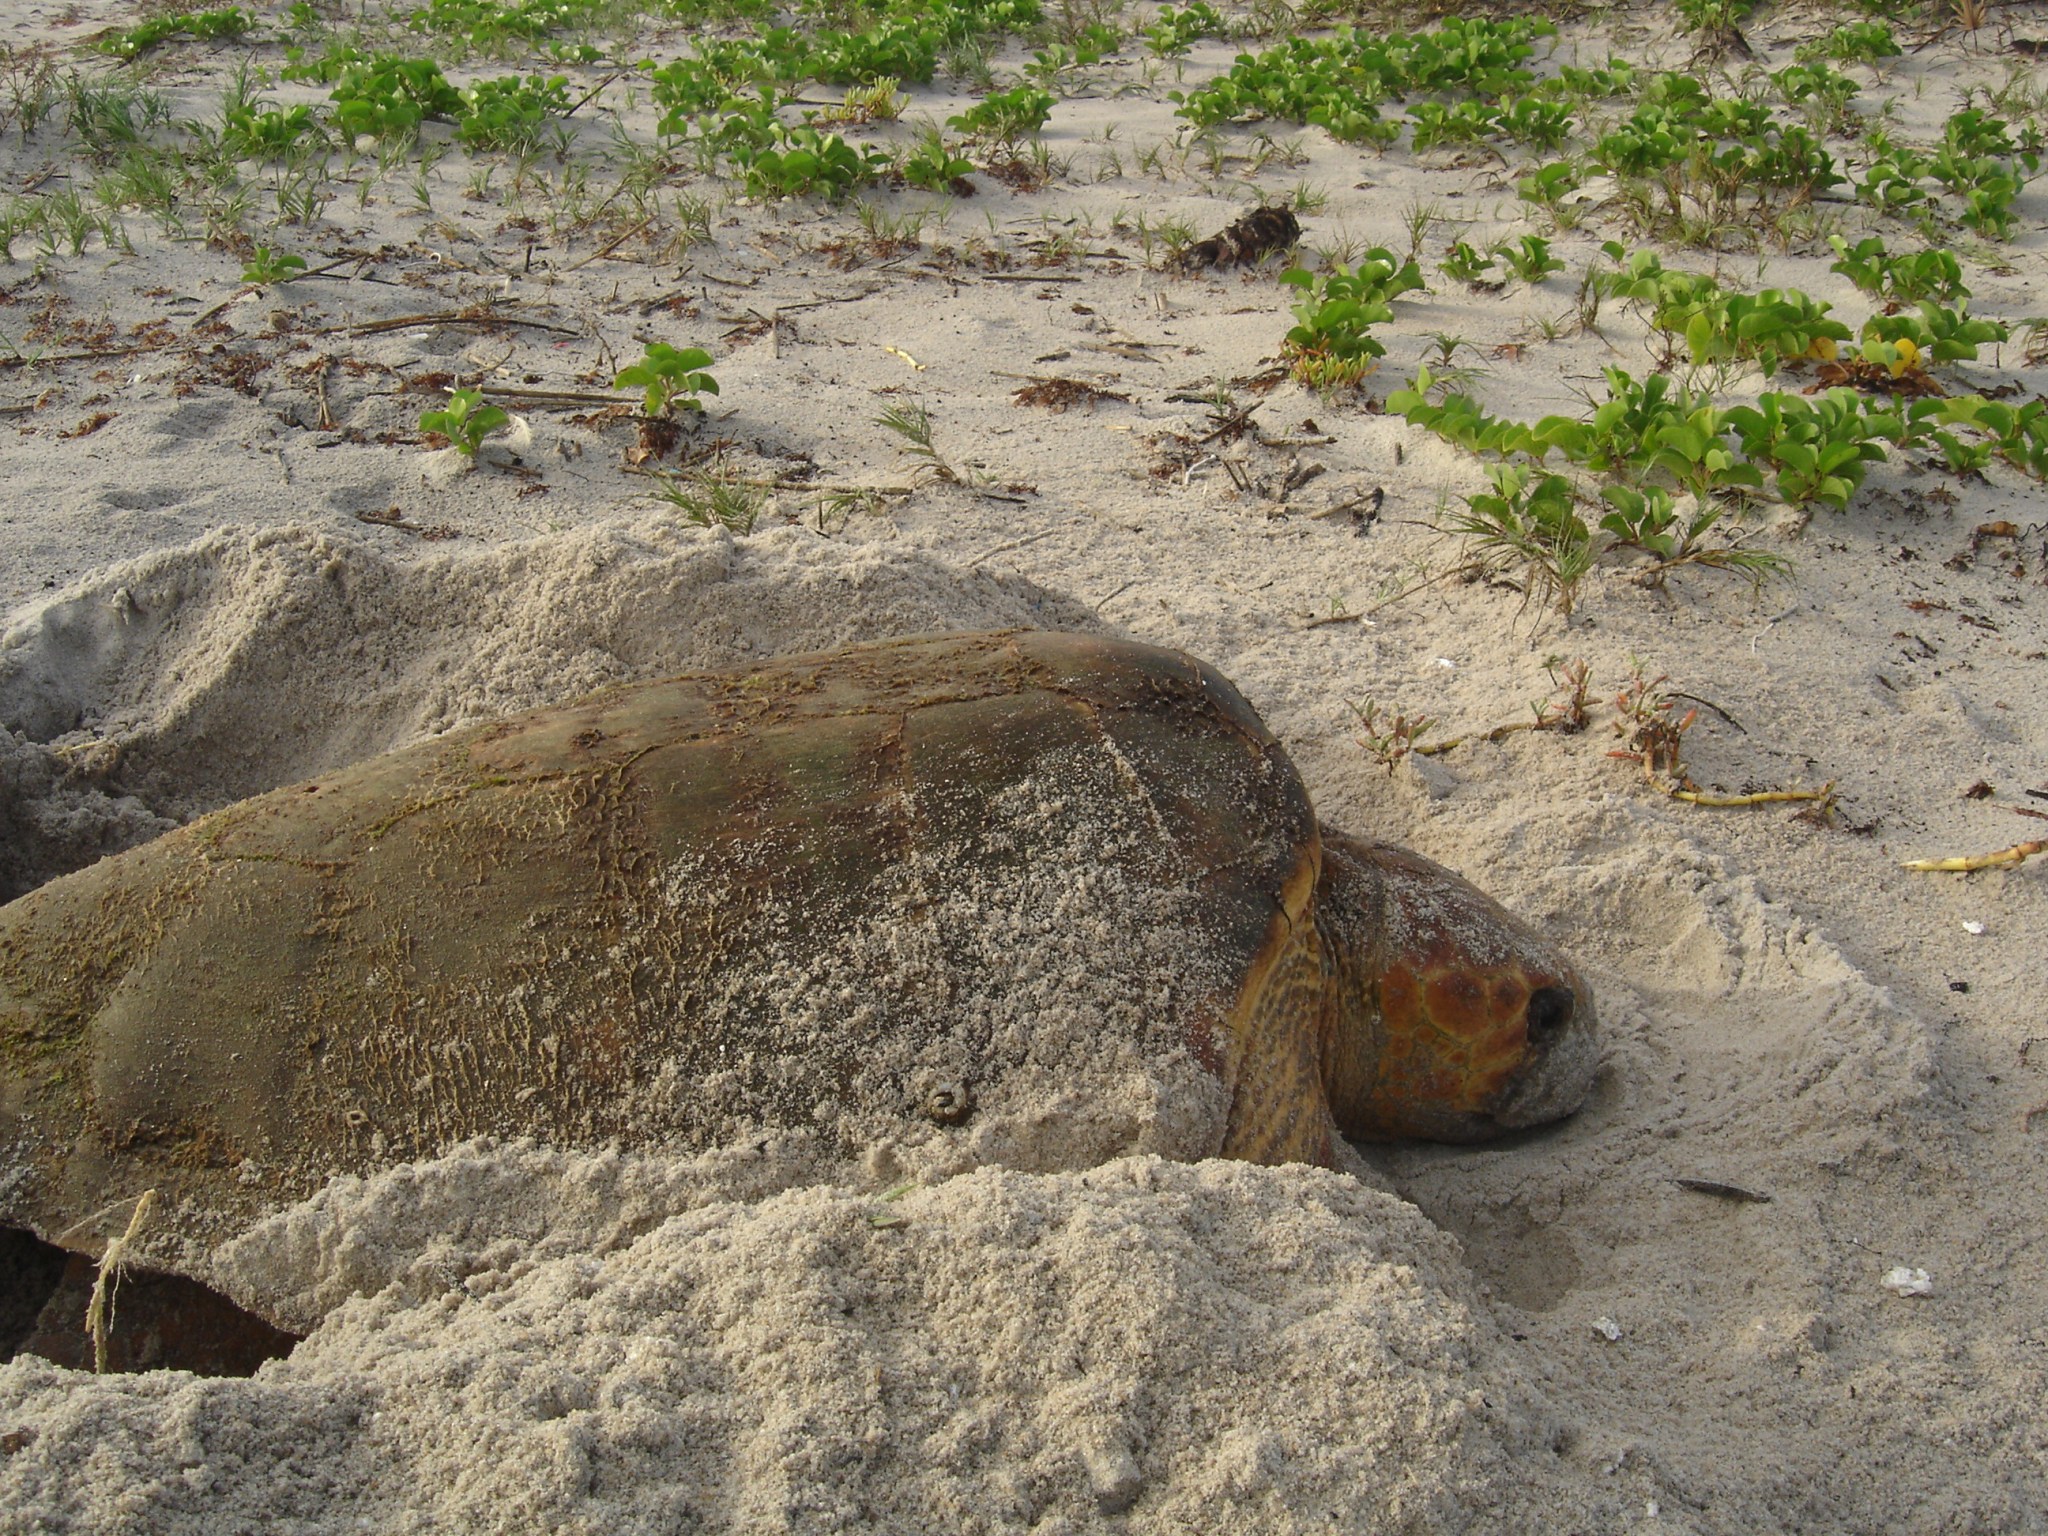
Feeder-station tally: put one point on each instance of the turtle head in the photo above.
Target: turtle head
(1453, 1021)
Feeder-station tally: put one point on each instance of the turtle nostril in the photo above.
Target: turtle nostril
(1550, 1011)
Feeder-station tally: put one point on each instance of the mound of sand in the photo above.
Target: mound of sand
(215, 669)
(1184, 1347)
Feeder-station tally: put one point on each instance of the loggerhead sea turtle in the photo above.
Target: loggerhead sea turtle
(1030, 898)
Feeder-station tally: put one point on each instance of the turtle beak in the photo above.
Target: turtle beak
(1454, 1021)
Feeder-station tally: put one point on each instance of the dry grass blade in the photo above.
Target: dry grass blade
(99, 1312)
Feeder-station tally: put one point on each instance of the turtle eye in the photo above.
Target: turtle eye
(1550, 1011)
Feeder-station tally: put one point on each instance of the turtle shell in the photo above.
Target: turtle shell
(968, 898)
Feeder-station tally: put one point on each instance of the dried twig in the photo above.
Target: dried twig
(1692, 796)
(2004, 858)
(1723, 1191)
(488, 319)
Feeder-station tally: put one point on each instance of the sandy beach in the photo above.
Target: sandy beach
(1784, 1270)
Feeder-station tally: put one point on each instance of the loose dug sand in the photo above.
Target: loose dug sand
(1550, 1335)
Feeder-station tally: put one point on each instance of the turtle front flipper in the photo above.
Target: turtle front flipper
(1279, 1110)
(1452, 1021)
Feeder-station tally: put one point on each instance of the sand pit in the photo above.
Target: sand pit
(1669, 1314)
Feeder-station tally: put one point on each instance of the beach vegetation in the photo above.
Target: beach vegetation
(1528, 525)
(671, 378)
(1172, 33)
(226, 24)
(1529, 258)
(1674, 531)
(1465, 263)
(1937, 333)
(712, 498)
(1331, 344)
(465, 421)
(1548, 186)
(933, 165)
(1852, 42)
(1899, 280)
(1006, 117)
(266, 266)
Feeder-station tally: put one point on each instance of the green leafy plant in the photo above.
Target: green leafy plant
(1899, 280)
(257, 132)
(932, 165)
(2017, 434)
(1980, 162)
(465, 421)
(1529, 258)
(1006, 116)
(1091, 45)
(511, 113)
(1331, 344)
(1338, 82)
(1937, 332)
(389, 97)
(267, 266)
(809, 161)
(1853, 42)
(1891, 183)
(206, 26)
(1171, 33)
(1824, 94)
(1464, 263)
(1536, 121)
(1818, 449)
(1453, 122)
(1458, 418)
(1648, 519)
(1604, 82)
(671, 377)
(1692, 449)
(1548, 185)
(1531, 521)
(1766, 328)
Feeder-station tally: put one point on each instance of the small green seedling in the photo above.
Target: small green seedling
(465, 422)
(1532, 521)
(1172, 33)
(1529, 258)
(1465, 263)
(268, 266)
(713, 500)
(1647, 518)
(1899, 280)
(1388, 737)
(1331, 344)
(933, 166)
(672, 377)
(1853, 42)
(1006, 116)
(1549, 185)
(913, 423)
(257, 132)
